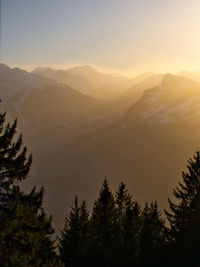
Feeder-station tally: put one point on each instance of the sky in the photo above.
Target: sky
(127, 36)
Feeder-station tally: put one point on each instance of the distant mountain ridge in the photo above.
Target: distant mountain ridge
(45, 109)
(89, 81)
(13, 80)
(161, 104)
(62, 76)
(193, 75)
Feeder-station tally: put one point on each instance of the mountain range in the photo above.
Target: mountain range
(46, 110)
(89, 81)
(142, 136)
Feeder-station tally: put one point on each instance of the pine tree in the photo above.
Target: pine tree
(130, 231)
(184, 217)
(75, 238)
(152, 249)
(128, 213)
(14, 165)
(105, 229)
(122, 199)
(25, 230)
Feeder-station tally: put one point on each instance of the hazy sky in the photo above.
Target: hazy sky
(130, 36)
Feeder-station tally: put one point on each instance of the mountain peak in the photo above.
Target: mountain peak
(39, 69)
(194, 75)
(172, 81)
(85, 69)
(4, 67)
(169, 79)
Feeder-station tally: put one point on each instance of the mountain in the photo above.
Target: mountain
(147, 147)
(14, 80)
(84, 71)
(89, 81)
(118, 106)
(62, 76)
(49, 114)
(162, 104)
(113, 110)
(194, 75)
(105, 86)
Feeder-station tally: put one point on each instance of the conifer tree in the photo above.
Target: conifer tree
(14, 165)
(104, 228)
(184, 217)
(75, 238)
(25, 230)
(152, 249)
(130, 232)
(128, 213)
(122, 199)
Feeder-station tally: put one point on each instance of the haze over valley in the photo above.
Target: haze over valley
(79, 135)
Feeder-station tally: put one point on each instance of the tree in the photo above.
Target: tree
(128, 214)
(14, 165)
(122, 199)
(152, 249)
(130, 232)
(25, 230)
(75, 238)
(184, 217)
(104, 228)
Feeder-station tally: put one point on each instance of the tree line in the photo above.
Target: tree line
(118, 231)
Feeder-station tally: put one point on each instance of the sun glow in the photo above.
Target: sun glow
(128, 38)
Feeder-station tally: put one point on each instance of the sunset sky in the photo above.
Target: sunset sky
(127, 36)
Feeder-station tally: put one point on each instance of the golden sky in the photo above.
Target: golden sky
(129, 36)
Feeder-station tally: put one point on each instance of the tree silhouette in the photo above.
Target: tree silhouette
(104, 228)
(184, 217)
(25, 230)
(75, 238)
